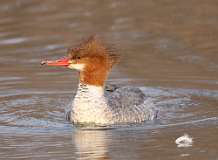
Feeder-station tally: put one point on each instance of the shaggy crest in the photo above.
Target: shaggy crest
(93, 47)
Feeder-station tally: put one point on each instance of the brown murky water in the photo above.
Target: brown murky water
(169, 48)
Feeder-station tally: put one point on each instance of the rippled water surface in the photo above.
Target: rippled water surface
(169, 49)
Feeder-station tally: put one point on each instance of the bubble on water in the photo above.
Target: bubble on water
(184, 141)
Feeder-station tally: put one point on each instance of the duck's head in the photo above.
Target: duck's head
(91, 58)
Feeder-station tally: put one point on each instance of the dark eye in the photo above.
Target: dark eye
(78, 57)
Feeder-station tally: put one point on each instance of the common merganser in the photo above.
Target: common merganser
(91, 103)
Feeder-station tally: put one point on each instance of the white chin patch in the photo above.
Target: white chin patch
(77, 66)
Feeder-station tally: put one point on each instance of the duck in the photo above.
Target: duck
(94, 103)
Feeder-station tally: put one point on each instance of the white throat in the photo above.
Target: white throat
(78, 67)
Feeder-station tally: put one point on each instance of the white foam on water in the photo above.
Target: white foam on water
(184, 141)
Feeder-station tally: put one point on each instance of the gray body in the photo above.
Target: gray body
(117, 105)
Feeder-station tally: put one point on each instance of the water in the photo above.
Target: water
(169, 48)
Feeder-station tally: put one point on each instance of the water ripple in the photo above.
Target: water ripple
(16, 40)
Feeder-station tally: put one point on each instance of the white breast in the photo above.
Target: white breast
(89, 105)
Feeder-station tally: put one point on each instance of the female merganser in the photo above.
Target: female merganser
(91, 105)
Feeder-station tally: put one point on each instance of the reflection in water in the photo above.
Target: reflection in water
(90, 144)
